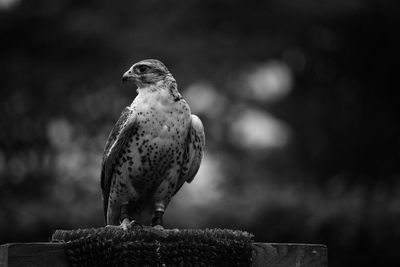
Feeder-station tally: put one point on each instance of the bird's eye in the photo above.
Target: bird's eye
(142, 69)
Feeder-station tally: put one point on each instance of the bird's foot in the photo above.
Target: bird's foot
(128, 224)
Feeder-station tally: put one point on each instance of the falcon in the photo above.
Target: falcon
(153, 149)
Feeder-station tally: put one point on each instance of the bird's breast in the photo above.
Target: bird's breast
(165, 121)
(156, 149)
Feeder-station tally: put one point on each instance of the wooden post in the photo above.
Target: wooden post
(33, 254)
(288, 255)
(264, 254)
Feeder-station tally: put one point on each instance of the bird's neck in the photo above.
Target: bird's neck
(164, 92)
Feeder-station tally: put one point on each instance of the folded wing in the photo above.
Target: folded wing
(116, 142)
(193, 152)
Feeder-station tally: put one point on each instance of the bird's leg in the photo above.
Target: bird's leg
(126, 221)
(124, 217)
(157, 219)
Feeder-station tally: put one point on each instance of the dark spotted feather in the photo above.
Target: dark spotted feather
(117, 140)
(193, 152)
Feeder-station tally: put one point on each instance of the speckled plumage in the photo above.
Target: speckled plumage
(154, 148)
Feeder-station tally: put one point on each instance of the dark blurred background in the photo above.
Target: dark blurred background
(297, 98)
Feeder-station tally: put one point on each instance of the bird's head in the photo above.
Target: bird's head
(147, 72)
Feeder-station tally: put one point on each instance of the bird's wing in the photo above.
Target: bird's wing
(116, 142)
(193, 152)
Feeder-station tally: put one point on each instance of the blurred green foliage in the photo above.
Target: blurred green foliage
(325, 171)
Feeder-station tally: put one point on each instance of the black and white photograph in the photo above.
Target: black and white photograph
(199, 133)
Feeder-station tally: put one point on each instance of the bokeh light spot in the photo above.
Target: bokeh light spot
(6, 4)
(270, 81)
(59, 132)
(204, 99)
(205, 185)
(201, 193)
(254, 129)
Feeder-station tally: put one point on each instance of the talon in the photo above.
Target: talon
(128, 224)
(133, 223)
(124, 224)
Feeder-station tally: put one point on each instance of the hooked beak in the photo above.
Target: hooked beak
(128, 76)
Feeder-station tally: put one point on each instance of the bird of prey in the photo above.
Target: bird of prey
(154, 148)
